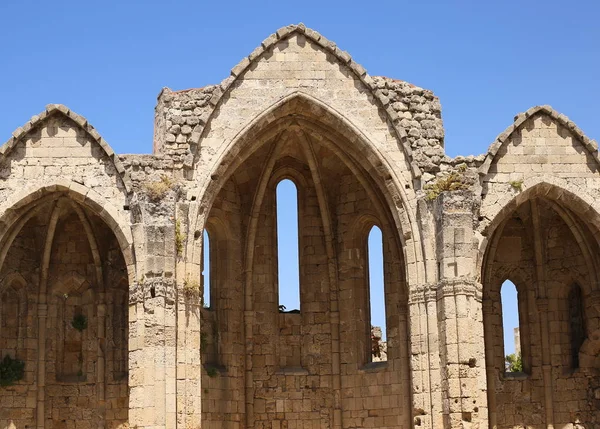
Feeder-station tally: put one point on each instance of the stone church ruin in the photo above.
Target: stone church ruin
(103, 322)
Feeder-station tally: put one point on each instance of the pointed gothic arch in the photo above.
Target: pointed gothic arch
(342, 58)
(63, 238)
(348, 141)
(547, 237)
(520, 120)
(18, 209)
(78, 121)
(301, 138)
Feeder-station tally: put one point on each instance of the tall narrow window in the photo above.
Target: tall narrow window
(206, 266)
(511, 327)
(577, 323)
(377, 295)
(287, 246)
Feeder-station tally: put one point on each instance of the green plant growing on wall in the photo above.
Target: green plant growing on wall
(517, 185)
(11, 371)
(514, 362)
(211, 371)
(79, 322)
(452, 182)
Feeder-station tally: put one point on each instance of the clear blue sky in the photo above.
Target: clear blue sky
(510, 315)
(487, 61)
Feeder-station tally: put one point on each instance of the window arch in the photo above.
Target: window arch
(288, 262)
(207, 266)
(511, 327)
(376, 295)
(514, 328)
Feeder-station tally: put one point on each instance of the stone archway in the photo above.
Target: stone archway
(549, 248)
(309, 348)
(74, 334)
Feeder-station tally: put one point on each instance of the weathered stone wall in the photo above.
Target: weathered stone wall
(539, 181)
(118, 239)
(74, 382)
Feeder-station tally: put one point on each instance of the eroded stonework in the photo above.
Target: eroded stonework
(101, 285)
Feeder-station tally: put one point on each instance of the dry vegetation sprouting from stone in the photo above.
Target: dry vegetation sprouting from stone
(119, 218)
(454, 181)
(158, 189)
(179, 238)
(191, 288)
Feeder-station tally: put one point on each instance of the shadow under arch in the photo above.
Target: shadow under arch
(18, 209)
(343, 138)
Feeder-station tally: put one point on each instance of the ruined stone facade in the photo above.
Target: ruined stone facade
(101, 261)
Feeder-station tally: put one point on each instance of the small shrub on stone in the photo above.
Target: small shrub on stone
(11, 371)
(191, 288)
(157, 190)
(517, 185)
(452, 182)
(211, 371)
(514, 362)
(79, 322)
(179, 238)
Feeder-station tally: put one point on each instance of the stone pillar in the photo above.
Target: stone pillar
(152, 332)
(42, 313)
(101, 359)
(425, 361)
(491, 373)
(460, 315)
(189, 298)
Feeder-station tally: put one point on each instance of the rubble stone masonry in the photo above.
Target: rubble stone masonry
(101, 261)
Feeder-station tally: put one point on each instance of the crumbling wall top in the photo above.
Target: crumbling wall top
(414, 113)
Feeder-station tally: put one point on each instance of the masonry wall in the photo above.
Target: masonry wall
(70, 379)
(545, 247)
(118, 239)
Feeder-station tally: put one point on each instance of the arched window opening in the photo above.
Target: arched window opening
(206, 270)
(576, 323)
(288, 263)
(511, 326)
(375, 278)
